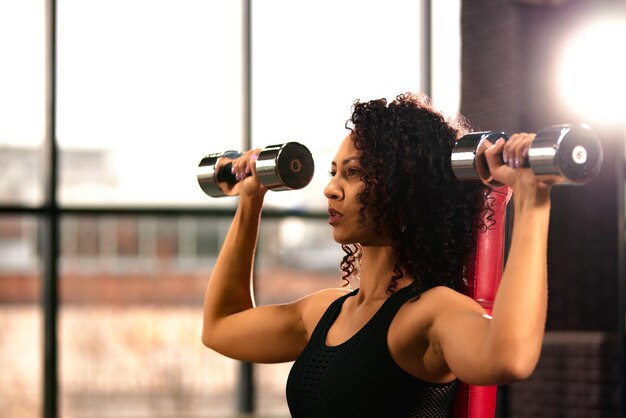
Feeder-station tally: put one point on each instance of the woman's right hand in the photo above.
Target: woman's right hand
(244, 169)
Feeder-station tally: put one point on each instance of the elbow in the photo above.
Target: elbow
(514, 360)
(515, 374)
(516, 368)
(207, 336)
(206, 341)
(212, 331)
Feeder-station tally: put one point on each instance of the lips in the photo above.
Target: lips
(334, 216)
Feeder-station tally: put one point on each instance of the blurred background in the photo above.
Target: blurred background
(107, 242)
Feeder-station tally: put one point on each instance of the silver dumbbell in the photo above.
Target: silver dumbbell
(559, 154)
(287, 166)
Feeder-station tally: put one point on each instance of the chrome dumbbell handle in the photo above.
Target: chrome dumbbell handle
(287, 166)
(559, 154)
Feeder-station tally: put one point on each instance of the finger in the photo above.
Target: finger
(239, 168)
(242, 163)
(234, 168)
(494, 153)
(245, 166)
(510, 149)
(491, 156)
(486, 144)
(252, 154)
(253, 159)
(517, 148)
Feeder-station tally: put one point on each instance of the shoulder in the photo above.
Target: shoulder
(435, 312)
(444, 294)
(439, 295)
(447, 309)
(324, 295)
(441, 301)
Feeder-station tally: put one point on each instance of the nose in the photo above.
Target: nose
(333, 190)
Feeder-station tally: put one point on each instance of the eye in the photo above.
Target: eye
(352, 171)
(332, 173)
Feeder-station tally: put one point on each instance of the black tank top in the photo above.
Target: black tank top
(359, 378)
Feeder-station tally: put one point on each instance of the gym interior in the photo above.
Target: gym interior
(107, 242)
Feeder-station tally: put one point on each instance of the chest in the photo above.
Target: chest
(400, 335)
(348, 369)
(401, 330)
(349, 322)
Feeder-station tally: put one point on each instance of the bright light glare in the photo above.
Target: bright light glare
(592, 74)
(446, 56)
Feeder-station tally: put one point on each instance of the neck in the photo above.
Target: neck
(377, 268)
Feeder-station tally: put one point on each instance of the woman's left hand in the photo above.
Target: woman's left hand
(506, 161)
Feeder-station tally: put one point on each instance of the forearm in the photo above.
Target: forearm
(230, 285)
(519, 314)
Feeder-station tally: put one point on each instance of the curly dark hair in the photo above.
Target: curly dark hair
(428, 214)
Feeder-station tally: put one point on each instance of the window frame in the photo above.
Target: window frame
(49, 213)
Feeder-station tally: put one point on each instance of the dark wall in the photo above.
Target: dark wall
(509, 59)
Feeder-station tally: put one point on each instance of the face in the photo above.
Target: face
(343, 206)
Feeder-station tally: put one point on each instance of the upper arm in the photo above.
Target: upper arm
(460, 334)
(269, 334)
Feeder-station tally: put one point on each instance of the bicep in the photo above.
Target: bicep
(270, 334)
(265, 334)
(462, 338)
(461, 335)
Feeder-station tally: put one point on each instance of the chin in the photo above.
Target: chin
(343, 240)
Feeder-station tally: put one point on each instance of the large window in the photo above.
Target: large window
(312, 60)
(145, 89)
(21, 102)
(21, 184)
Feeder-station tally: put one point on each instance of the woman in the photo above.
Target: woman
(396, 346)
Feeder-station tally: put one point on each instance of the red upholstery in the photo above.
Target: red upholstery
(483, 273)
